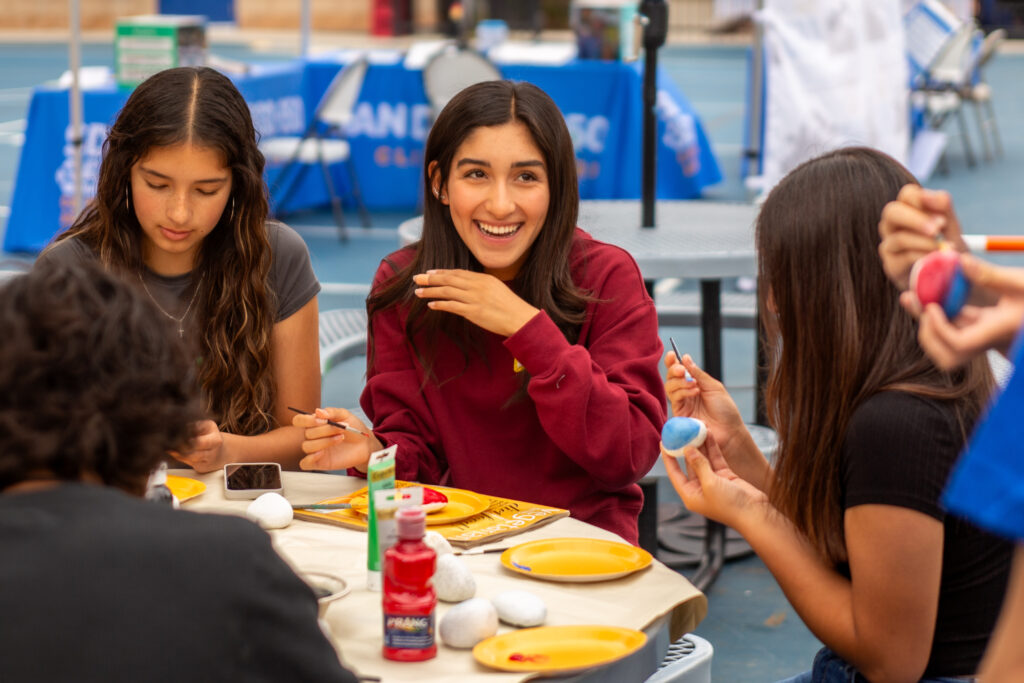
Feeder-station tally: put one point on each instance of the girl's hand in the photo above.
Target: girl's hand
(332, 448)
(711, 488)
(482, 299)
(910, 227)
(702, 397)
(208, 452)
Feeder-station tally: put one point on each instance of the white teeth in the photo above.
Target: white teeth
(498, 230)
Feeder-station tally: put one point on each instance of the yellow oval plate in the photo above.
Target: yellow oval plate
(184, 488)
(575, 560)
(558, 649)
(461, 505)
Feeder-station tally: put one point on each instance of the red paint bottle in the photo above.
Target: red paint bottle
(409, 597)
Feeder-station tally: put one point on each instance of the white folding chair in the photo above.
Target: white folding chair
(324, 144)
(452, 69)
(978, 92)
(942, 84)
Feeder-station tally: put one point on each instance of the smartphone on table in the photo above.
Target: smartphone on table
(251, 479)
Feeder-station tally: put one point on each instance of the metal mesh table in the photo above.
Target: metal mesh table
(709, 241)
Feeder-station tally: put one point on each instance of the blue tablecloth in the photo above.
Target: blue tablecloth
(601, 101)
(43, 197)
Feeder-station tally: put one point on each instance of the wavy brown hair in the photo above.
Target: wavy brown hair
(94, 380)
(199, 106)
(835, 331)
(545, 279)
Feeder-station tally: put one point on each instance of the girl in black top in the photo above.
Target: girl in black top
(847, 517)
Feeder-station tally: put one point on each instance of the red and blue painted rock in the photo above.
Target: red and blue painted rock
(938, 279)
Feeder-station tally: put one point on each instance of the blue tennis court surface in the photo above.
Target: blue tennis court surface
(756, 635)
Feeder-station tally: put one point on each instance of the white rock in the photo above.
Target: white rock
(520, 608)
(270, 511)
(453, 582)
(469, 622)
(438, 542)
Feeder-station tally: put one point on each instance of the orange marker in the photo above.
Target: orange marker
(994, 242)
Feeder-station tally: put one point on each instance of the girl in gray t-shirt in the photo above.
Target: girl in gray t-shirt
(181, 211)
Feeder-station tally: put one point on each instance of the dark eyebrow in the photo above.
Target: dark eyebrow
(518, 164)
(150, 171)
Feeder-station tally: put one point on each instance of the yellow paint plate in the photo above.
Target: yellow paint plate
(461, 505)
(558, 649)
(184, 488)
(575, 560)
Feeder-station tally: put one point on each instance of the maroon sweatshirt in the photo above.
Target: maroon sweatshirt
(587, 431)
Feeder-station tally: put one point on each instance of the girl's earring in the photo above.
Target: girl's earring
(231, 216)
(127, 199)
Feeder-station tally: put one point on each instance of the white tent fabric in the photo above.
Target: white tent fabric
(836, 75)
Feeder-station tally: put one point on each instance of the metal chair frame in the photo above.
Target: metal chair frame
(343, 333)
(323, 143)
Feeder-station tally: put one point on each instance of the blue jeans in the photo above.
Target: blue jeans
(831, 668)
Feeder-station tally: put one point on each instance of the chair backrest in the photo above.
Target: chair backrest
(954, 63)
(338, 102)
(928, 26)
(453, 69)
(989, 46)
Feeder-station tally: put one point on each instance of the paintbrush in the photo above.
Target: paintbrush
(339, 425)
(480, 551)
(322, 506)
(679, 359)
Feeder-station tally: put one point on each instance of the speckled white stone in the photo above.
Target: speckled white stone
(438, 542)
(453, 582)
(270, 511)
(520, 608)
(469, 622)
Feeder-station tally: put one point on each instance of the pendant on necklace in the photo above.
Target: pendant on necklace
(181, 330)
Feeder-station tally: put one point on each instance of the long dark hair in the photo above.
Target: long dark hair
(200, 106)
(835, 331)
(545, 280)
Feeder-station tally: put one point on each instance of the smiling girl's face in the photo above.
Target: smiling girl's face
(498, 194)
(179, 193)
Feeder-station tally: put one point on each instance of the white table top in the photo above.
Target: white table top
(636, 601)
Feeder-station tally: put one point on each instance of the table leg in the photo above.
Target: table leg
(760, 372)
(713, 557)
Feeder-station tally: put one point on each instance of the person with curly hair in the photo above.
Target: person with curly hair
(95, 392)
(181, 212)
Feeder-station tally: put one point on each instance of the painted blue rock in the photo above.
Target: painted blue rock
(680, 432)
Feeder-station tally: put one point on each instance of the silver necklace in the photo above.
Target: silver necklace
(181, 320)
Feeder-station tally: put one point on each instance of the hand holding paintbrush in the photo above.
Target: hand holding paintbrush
(327, 442)
(339, 425)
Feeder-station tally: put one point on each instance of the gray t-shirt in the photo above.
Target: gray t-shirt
(291, 276)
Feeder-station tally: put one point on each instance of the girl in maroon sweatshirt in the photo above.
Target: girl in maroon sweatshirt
(509, 353)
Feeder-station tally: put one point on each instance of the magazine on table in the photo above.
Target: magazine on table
(469, 519)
